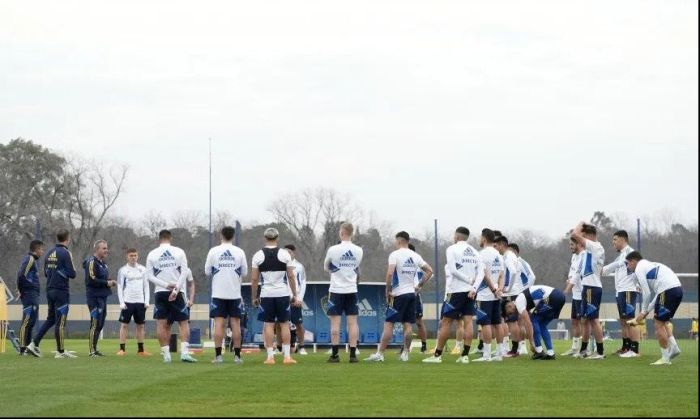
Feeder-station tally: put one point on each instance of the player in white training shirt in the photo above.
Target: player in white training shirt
(404, 263)
(420, 324)
(591, 268)
(573, 285)
(134, 293)
(226, 266)
(511, 287)
(626, 294)
(166, 267)
(661, 292)
(466, 273)
(297, 315)
(526, 280)
(272, 267)
(343, 263)
(488, 309)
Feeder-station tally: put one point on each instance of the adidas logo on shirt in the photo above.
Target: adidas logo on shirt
(348, 256)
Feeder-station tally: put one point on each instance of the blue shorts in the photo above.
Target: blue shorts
(488, 313)
(172, 311)
(505, 300)
(419, 307)
(135, 310)
(402, 309)
(274, 309)
(342, 303)
(667, 303)
(626, 304)
(575, 309)
(296, 315)
(220, 307)
(590, 304)
(549, 308)
(457, 305)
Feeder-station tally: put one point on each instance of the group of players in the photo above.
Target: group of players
(493, 285)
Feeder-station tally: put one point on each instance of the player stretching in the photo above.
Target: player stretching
(134, 294)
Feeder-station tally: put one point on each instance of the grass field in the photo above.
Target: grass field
(134, 386)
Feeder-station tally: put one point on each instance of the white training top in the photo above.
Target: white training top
(624, 279)
(654, 278)
(132, 285)
(465, 268)
(300, 277)
(537, 292)
(448, 280)
(527, 275)
(575, 276)
(511, 281)
(226, 266)
(493, 265)
(406, 265)
(343, 262)
(273, 284)
(165, 265)
(592, 264)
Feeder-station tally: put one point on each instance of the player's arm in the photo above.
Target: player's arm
(577, 233)
(254, 279)
(647, 299)
(208, 264)
(92, 275)
(190, 292)
(428, 271)
(182, 279)
(146, 293)
(24, 268)
(387, 280)
(65, 263)
(357, 272)
(480, 274)
(244, 265)
(152, 278)
(512, 266)
(327, 262)
(120, 288)
(452, 266)
(612, 267)
(301, 277)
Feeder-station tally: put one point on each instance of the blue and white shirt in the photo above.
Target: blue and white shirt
(166, 265)
(493, 265)
(592, 264)
(300, 276)
(574, 277)
(343, 263)
(511, 283)
(465, 268)
(132, 285)
(226, 265)
(624, 280)
(527, 275)
(654, 278)
(407, 264)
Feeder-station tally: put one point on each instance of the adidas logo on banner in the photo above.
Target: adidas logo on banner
(365, 309)
(305, 310)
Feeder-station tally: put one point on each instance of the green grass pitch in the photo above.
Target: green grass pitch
(134, 386)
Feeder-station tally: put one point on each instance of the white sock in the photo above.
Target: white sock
(487, 350)
(672, 340)
(185, 348)
(666, 353)
(505, 340)
(164, 350)
(521, 344)
(285, 350)
(576, 344)
(502, 348)
(270, 353)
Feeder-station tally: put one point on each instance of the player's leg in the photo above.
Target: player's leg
(459, 338)
(661, 333)
(353, 335)
(483, 318)
(335, 335)
(236, 337)
(140, 320)
(278, 337)
(420, 325)
(269, 337)
(537, 338)
(283, 311)
(123, 333)
(62, 307)
(387, 333)
(29, 314)
(620, 300)
(297, 318)
(101, 317)
(50, 321)
(164, 338)
(546, 337)
(219, 330)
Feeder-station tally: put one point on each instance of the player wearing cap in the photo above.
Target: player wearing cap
(133, 292)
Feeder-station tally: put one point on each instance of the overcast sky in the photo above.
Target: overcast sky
(519, 115)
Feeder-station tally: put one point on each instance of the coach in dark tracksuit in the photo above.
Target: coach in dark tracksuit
(97, 288)
(28, 287)
(58, 269)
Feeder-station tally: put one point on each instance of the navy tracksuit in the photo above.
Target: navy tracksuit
(97, 290)
(28, 286)
(58, 269)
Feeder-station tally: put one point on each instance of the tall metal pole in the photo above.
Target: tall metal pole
(210, 229)
(437, 281)
(639, 235)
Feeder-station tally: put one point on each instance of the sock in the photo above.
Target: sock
(672, 340)
(353, 350)
(335, 350)
(270, 352)
(584, 346)
(140, 346)
(521, 344)
(599, 346)
(666, 353)
(286, 350)
(218, 350)
(514, 346)
(481, 345)
(438, 352)
(505, 341)
(465, 351)
(184, 348)
(502, 348)
(550, 352)
(165, 351)
(237, 352)
(423, 345)
(575, 344)
(634, 347)
(487, 350)
(625, 344)
(122, 346)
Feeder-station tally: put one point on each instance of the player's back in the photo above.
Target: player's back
(493, 265)
(166, 263)
(343, 261)
(406, 265)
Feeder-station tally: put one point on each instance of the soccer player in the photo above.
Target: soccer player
(226, 265)
(28, 288)
(661, 292)
(133, 292)
(273, 267)
(166, 268)
(466, 271)
(343, 263)
(512, 286)
(97, 289)
(297, 316)
(573, 285)
(58, 269)
(626, 294)
(401, 294)
(527, 279)
(547, 303)
(488, 313)
(420, 325)
(591, 268)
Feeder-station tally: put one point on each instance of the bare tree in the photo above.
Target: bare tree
(152, 222)
(189, 220)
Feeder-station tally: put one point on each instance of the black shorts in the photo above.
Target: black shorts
(626, 304)
(457, 305)
(419, 307)
(296, 316)
(220, 307)
(667, 303)
(590, 304)
(505, 300)
(172, 311)
(488, 312)
(401, 309)
(575, 309)
(274, 309)
(339, 304)
(135, 310)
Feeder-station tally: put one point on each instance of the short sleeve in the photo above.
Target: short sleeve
(284, 257)
(258, 259)
(392, 259)
(419, 261)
